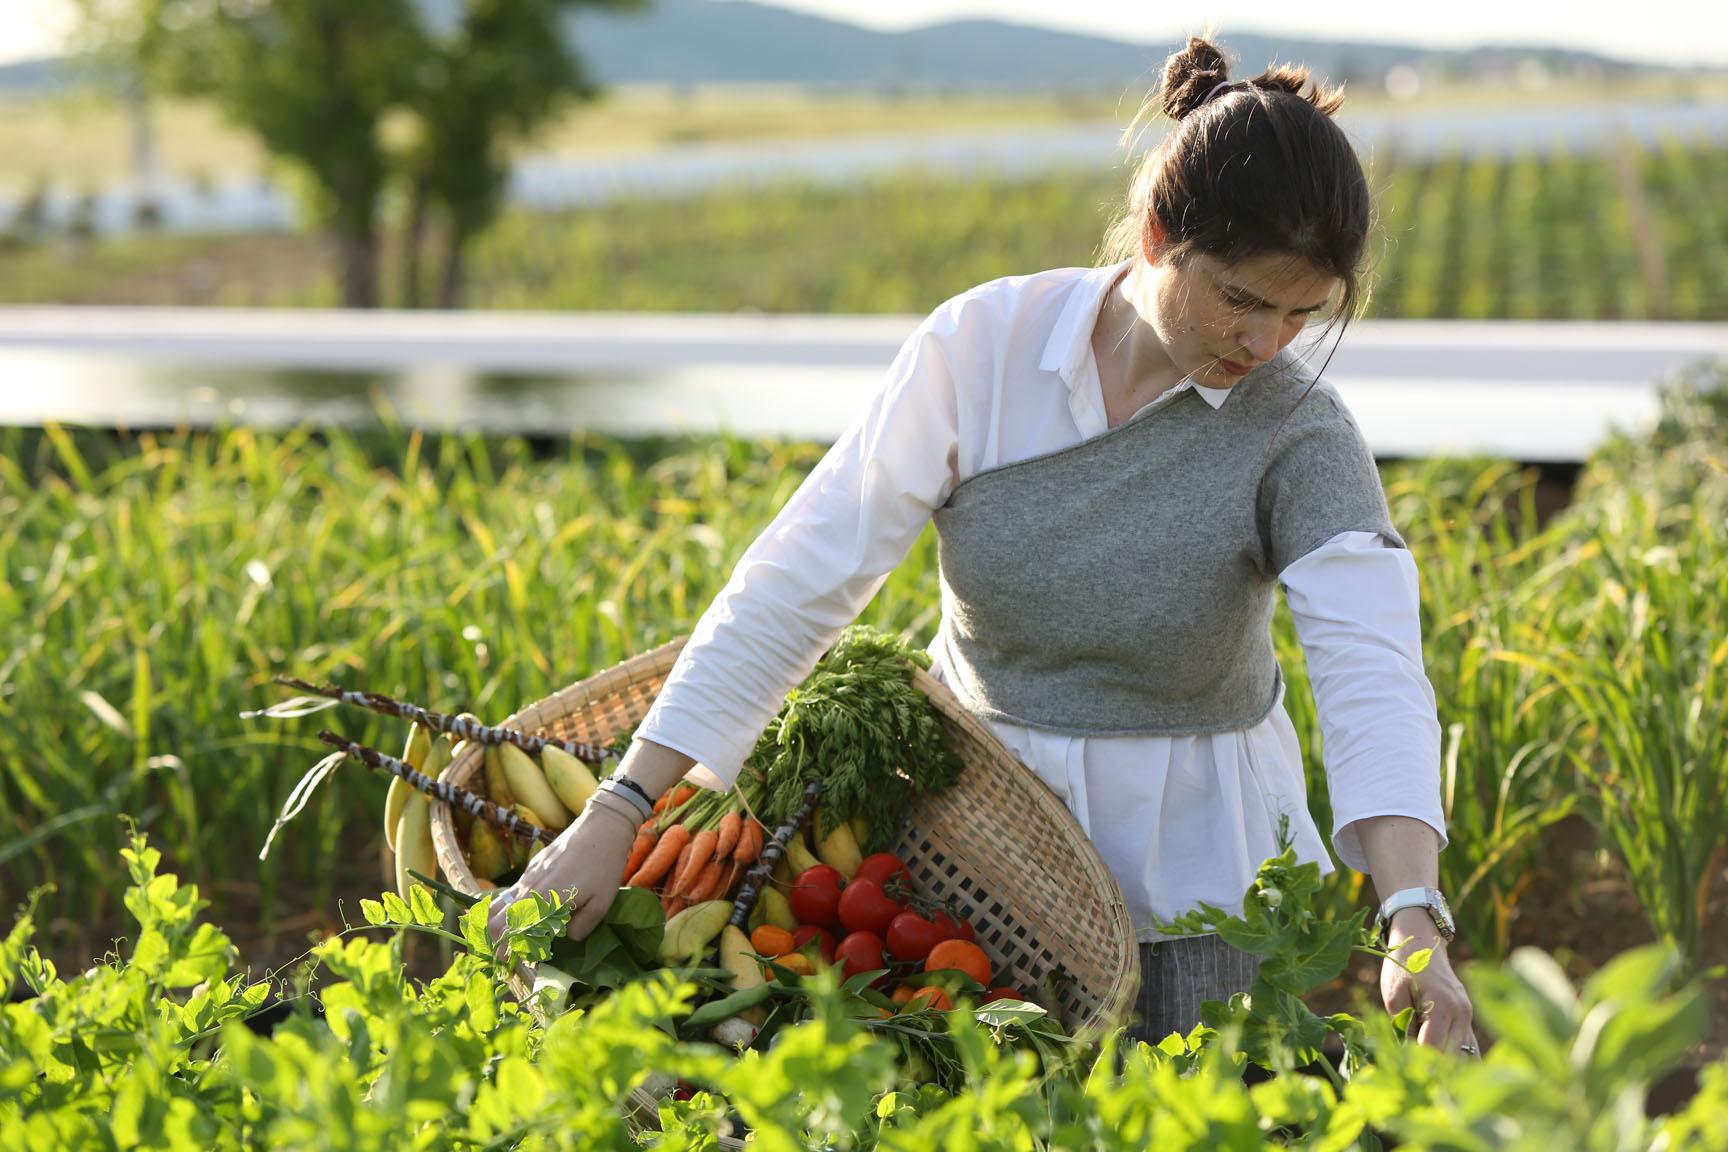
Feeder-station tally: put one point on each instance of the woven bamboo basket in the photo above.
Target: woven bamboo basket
(999, 841)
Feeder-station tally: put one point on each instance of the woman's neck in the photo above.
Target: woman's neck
(1134, 368)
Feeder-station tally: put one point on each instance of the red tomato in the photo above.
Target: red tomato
(953, 929)
(815, 896)
(864, 907)
(1003, 994)
(881, 867)
(910, 937)
(805, 933)
(860, 952)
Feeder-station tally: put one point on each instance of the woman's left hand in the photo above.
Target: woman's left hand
(1442, 1006)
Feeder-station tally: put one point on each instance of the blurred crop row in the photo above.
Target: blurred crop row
(1618, 234)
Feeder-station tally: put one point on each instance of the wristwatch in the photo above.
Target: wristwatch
(1428, 898)
(630, 792)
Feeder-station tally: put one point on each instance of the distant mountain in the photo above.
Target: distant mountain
(697, 42)
(34, 75)
(736, 42)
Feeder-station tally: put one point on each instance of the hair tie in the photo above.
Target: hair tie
(1207, 99)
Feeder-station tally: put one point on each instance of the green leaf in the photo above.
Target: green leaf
(425, 909)
(396, 910)
(473, 926)
(999, 1013)
(640, 922)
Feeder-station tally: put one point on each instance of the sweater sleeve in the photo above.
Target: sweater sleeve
(1355, 603)
(816, 566)
(1321, 480)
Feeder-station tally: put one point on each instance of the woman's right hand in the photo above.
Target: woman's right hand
(585, 864)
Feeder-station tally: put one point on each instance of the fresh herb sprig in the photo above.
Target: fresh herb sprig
(860, 727)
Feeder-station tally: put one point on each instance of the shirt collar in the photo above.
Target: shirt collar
(1071, 339)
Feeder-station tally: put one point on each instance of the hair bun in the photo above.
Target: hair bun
(1190, 75)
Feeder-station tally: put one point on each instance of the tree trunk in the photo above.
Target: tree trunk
(357, 254)
(455, 267)
(414, 243)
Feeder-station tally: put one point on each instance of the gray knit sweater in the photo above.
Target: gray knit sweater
(1124, 586)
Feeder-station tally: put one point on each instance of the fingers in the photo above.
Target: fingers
(589, 915)
(1446, 1020)
(496, 916)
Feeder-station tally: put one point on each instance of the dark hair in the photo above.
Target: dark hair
(1255, 167)
(1252, 167)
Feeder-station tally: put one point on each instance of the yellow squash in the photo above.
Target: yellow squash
(531, 789)
(569, 777)
(692, 930)
(414, 844)
(419, 746)
(839, 849)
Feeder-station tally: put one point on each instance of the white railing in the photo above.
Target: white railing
(1526, 391)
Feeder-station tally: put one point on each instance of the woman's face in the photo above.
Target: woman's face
(1219, 321)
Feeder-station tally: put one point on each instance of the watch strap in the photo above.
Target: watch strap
(1422, 897)
(630, 792)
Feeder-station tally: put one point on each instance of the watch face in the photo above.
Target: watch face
(1443, 909)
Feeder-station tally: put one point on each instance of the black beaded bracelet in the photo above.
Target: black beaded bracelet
(626, 782)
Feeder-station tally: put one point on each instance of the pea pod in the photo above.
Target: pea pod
(728, 1006)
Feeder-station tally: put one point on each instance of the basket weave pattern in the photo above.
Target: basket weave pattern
(999, 841)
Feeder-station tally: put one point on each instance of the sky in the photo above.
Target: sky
(1681, 32)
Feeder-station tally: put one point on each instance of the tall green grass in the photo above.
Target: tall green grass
(153, 586)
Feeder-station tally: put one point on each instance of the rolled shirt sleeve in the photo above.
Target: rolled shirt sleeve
(1355, 603)
(817, 565)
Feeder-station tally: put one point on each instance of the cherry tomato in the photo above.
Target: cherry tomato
(953, 929)
(911, 936)
(864, 907)
(815, 896)
(882, 867)
(860, 952)
(825, 945)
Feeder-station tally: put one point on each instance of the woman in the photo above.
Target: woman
(1121, 463)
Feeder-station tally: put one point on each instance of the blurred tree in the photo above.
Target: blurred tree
(320, 81)
(501, 71)
(313, 78)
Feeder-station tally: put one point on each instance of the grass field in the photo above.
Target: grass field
(1619, 234)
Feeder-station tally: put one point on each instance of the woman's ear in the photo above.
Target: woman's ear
(1151, 238)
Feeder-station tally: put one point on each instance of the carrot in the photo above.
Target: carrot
(674, 798)
(750, 839)
(645, 841)
(731, 827)
(669, 883)
(661, 859)
(672, 905)
(733, 875)
(709, 881)
(701, 853)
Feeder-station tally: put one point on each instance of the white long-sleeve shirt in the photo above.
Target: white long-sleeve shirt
(999, 374)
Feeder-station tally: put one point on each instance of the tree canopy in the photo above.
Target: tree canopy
(357, 98)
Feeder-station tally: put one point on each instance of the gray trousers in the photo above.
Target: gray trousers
(1176, 975)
